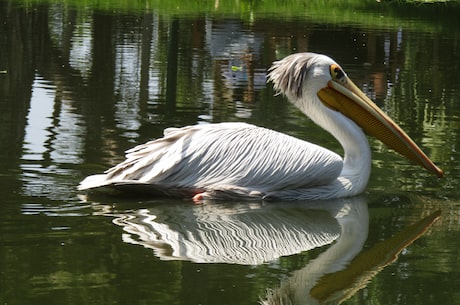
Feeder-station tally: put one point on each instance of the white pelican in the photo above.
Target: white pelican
(229, 160)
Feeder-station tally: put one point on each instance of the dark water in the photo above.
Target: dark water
(80, 85)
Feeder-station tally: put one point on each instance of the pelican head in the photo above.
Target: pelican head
(321, 89)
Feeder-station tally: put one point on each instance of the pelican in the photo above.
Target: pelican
(239, 160)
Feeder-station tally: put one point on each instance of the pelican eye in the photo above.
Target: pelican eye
(337, 74)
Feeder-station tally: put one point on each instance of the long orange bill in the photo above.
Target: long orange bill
(348, 99)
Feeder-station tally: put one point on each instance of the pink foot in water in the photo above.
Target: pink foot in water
(198, 198)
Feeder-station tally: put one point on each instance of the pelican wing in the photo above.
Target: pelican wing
(232, 158)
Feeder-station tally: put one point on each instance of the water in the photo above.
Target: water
(81, 84)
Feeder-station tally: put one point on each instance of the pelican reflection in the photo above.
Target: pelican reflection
(257, 233)
(248, 233)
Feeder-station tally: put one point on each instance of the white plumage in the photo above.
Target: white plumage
(223, 160)
(228, 160)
